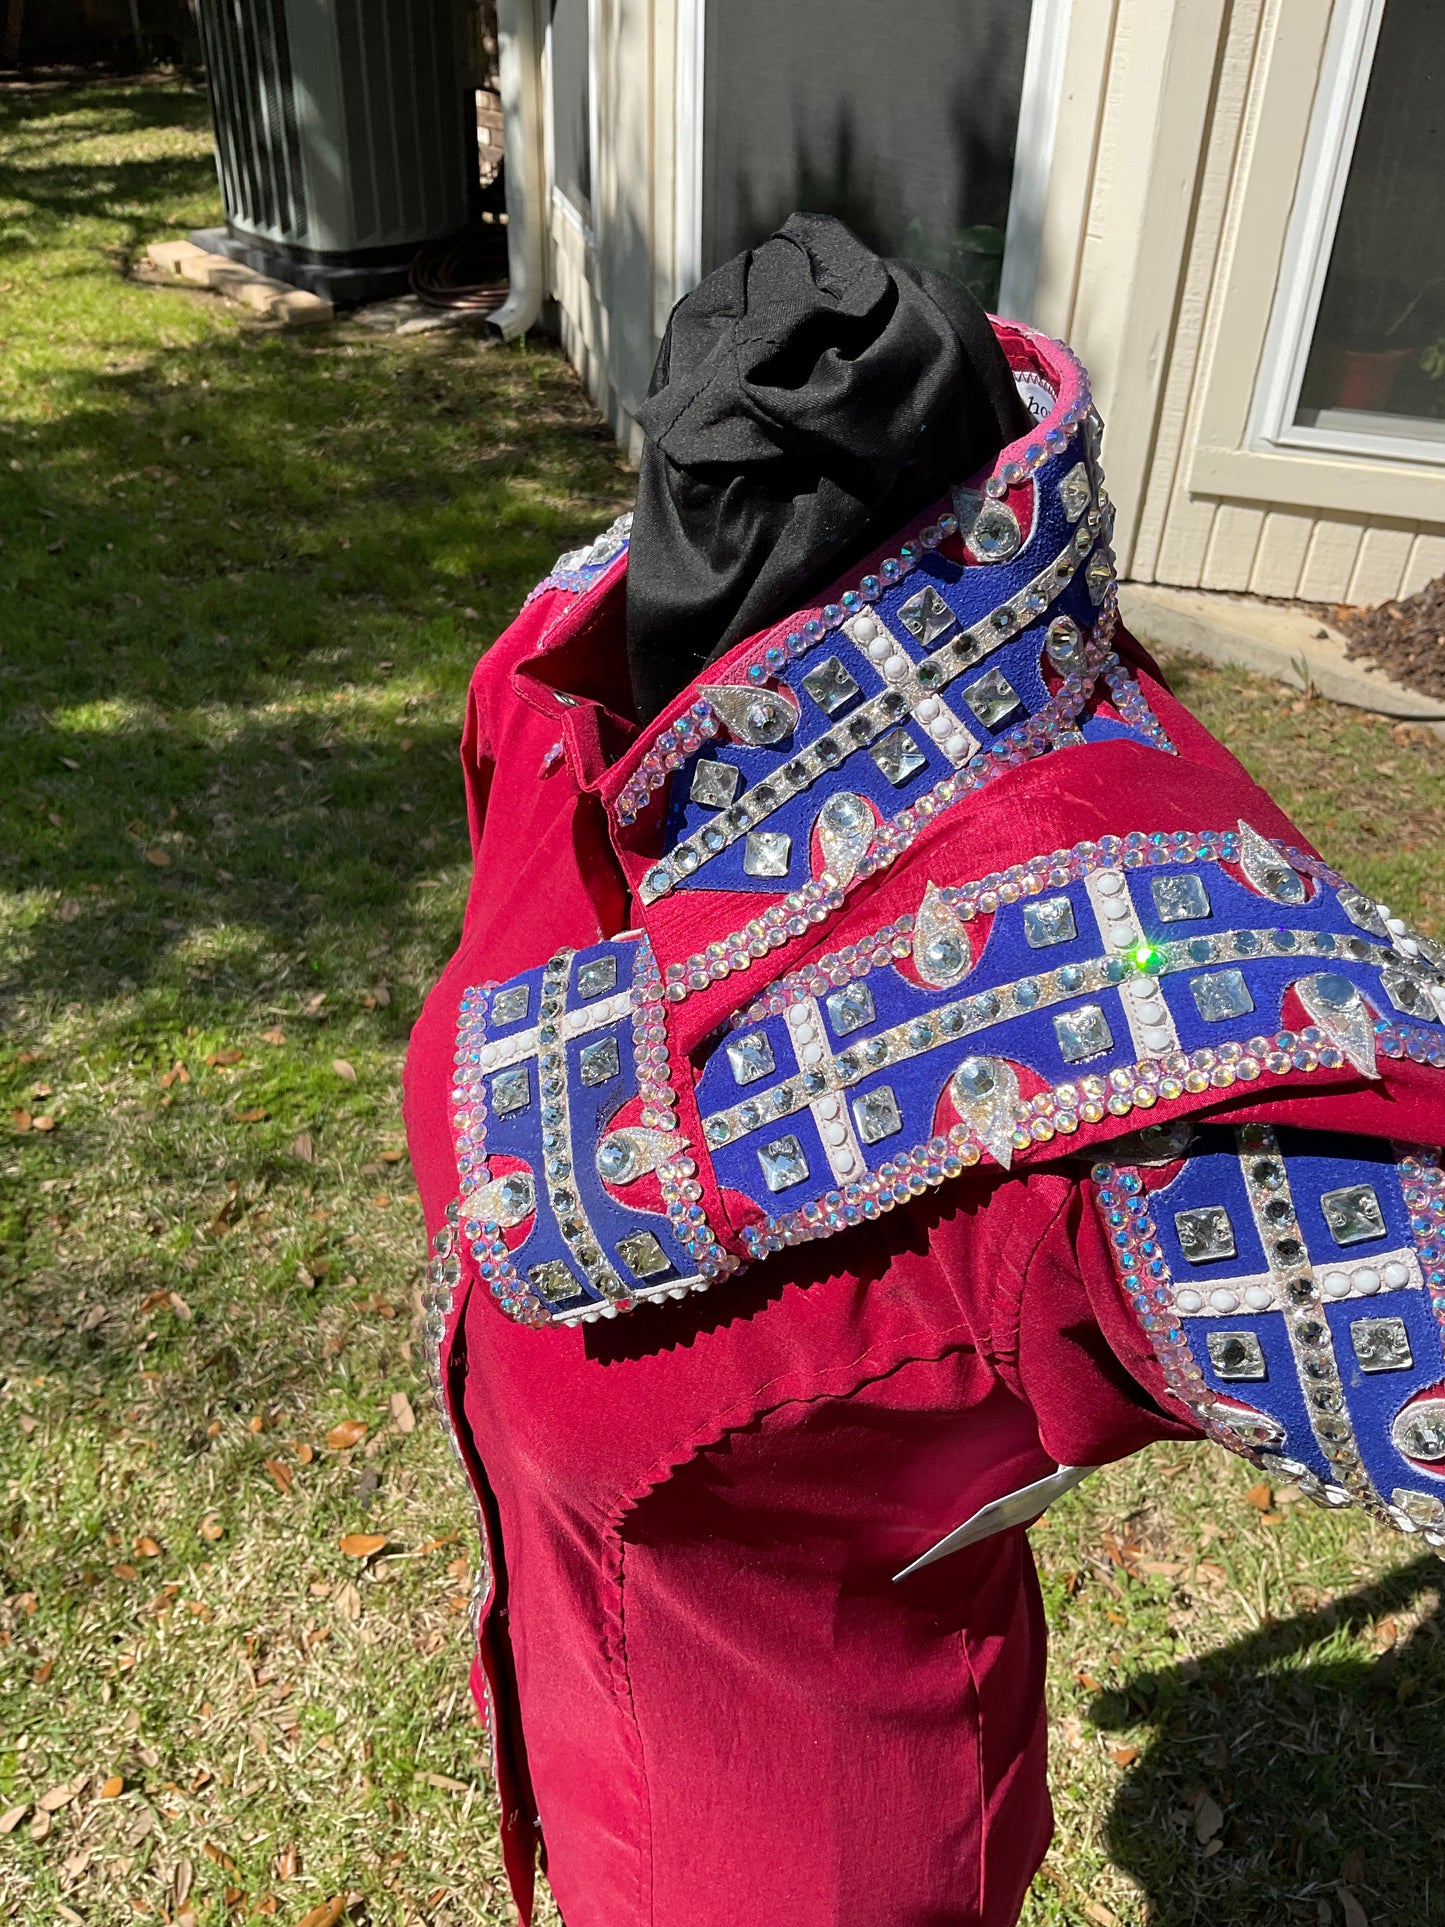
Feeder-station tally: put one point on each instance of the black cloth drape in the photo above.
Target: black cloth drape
(809, 397)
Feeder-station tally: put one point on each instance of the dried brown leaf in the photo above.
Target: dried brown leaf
(348, 1602)
(343, 1070)
(326, 1915)
(1260, 1497)
(1354, 1913)
(12, 1816)
(211, 1528)
(281, 1474)
(361, 1545)
(351, 1431)
(112, 1788)
(402, 1415)
(1208, 1818)
(160, 858)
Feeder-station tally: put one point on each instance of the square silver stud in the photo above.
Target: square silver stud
(767, 853)
(1236, 1355)
(898, 756)
(1049, 922)
(1381, 1344)
(553, 1282)
(511, 1091)
(1353, 1214)
(714, 784)
(1205, 1235)
(877, 1115)
(1222, 994)
(510, 1006)
(1083, 1033)
(1074, 491)
(751, 1057)
(1180, 899)
(851, 1007)
(643, 1256)
(830, 686)
(783, 1163)
(926, 616)
(992, 698)
(596, 977)
(599, 1063)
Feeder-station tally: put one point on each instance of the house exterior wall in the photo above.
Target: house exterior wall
(1168, 294)
(1178, 155)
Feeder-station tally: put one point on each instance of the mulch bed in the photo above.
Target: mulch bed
(1406, 639)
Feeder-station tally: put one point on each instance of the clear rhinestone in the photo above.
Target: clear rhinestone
(1074, 492)
(714, 784)
(643, 1256)
(1236, 1355)
(510, 1006)
(995, 534)
(1419, 1431)
(1180, 899)
(898, 756)
(511, 1091)
(926, 616)
(1083, 1033)
(1049, 922)
(992, 698)
(1098, 575)
(596, 977)
(751, 1056)
(1065, 645)
(783, 1163)
(1381, 1344)
(830, 686)
(851, 1008)
(599, 1062)
(1222, 994)
(1425, 1508)
(1353, 1214)
(1205, 1235)
(767, 853)
(877, 1115)
(553, 1282)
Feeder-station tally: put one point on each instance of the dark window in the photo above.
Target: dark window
(572, 103)
(900, 119)
(1379, 341)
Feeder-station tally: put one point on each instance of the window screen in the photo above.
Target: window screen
(572, 103)
(899, 119)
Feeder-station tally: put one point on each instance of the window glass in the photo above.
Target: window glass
(900, 120)
(1378, 349)
(572, 103)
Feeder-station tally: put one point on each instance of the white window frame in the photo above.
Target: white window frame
(584, 224)
(1042, 92)
(1324, 174)
(1045, 63)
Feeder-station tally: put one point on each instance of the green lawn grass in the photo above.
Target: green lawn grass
(243, 580)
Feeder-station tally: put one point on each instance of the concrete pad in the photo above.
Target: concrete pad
(1270, 638)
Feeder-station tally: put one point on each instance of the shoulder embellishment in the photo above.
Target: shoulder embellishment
(1292, 1286)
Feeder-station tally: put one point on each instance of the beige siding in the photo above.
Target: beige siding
(1323, 544)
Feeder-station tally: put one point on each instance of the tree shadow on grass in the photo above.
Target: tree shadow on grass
(1321, 1764)
(244, 583)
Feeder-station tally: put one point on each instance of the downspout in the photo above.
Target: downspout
(519, 54)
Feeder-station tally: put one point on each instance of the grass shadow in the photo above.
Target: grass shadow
(1290, 1764)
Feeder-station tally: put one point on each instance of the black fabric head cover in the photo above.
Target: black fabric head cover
(808, 399)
